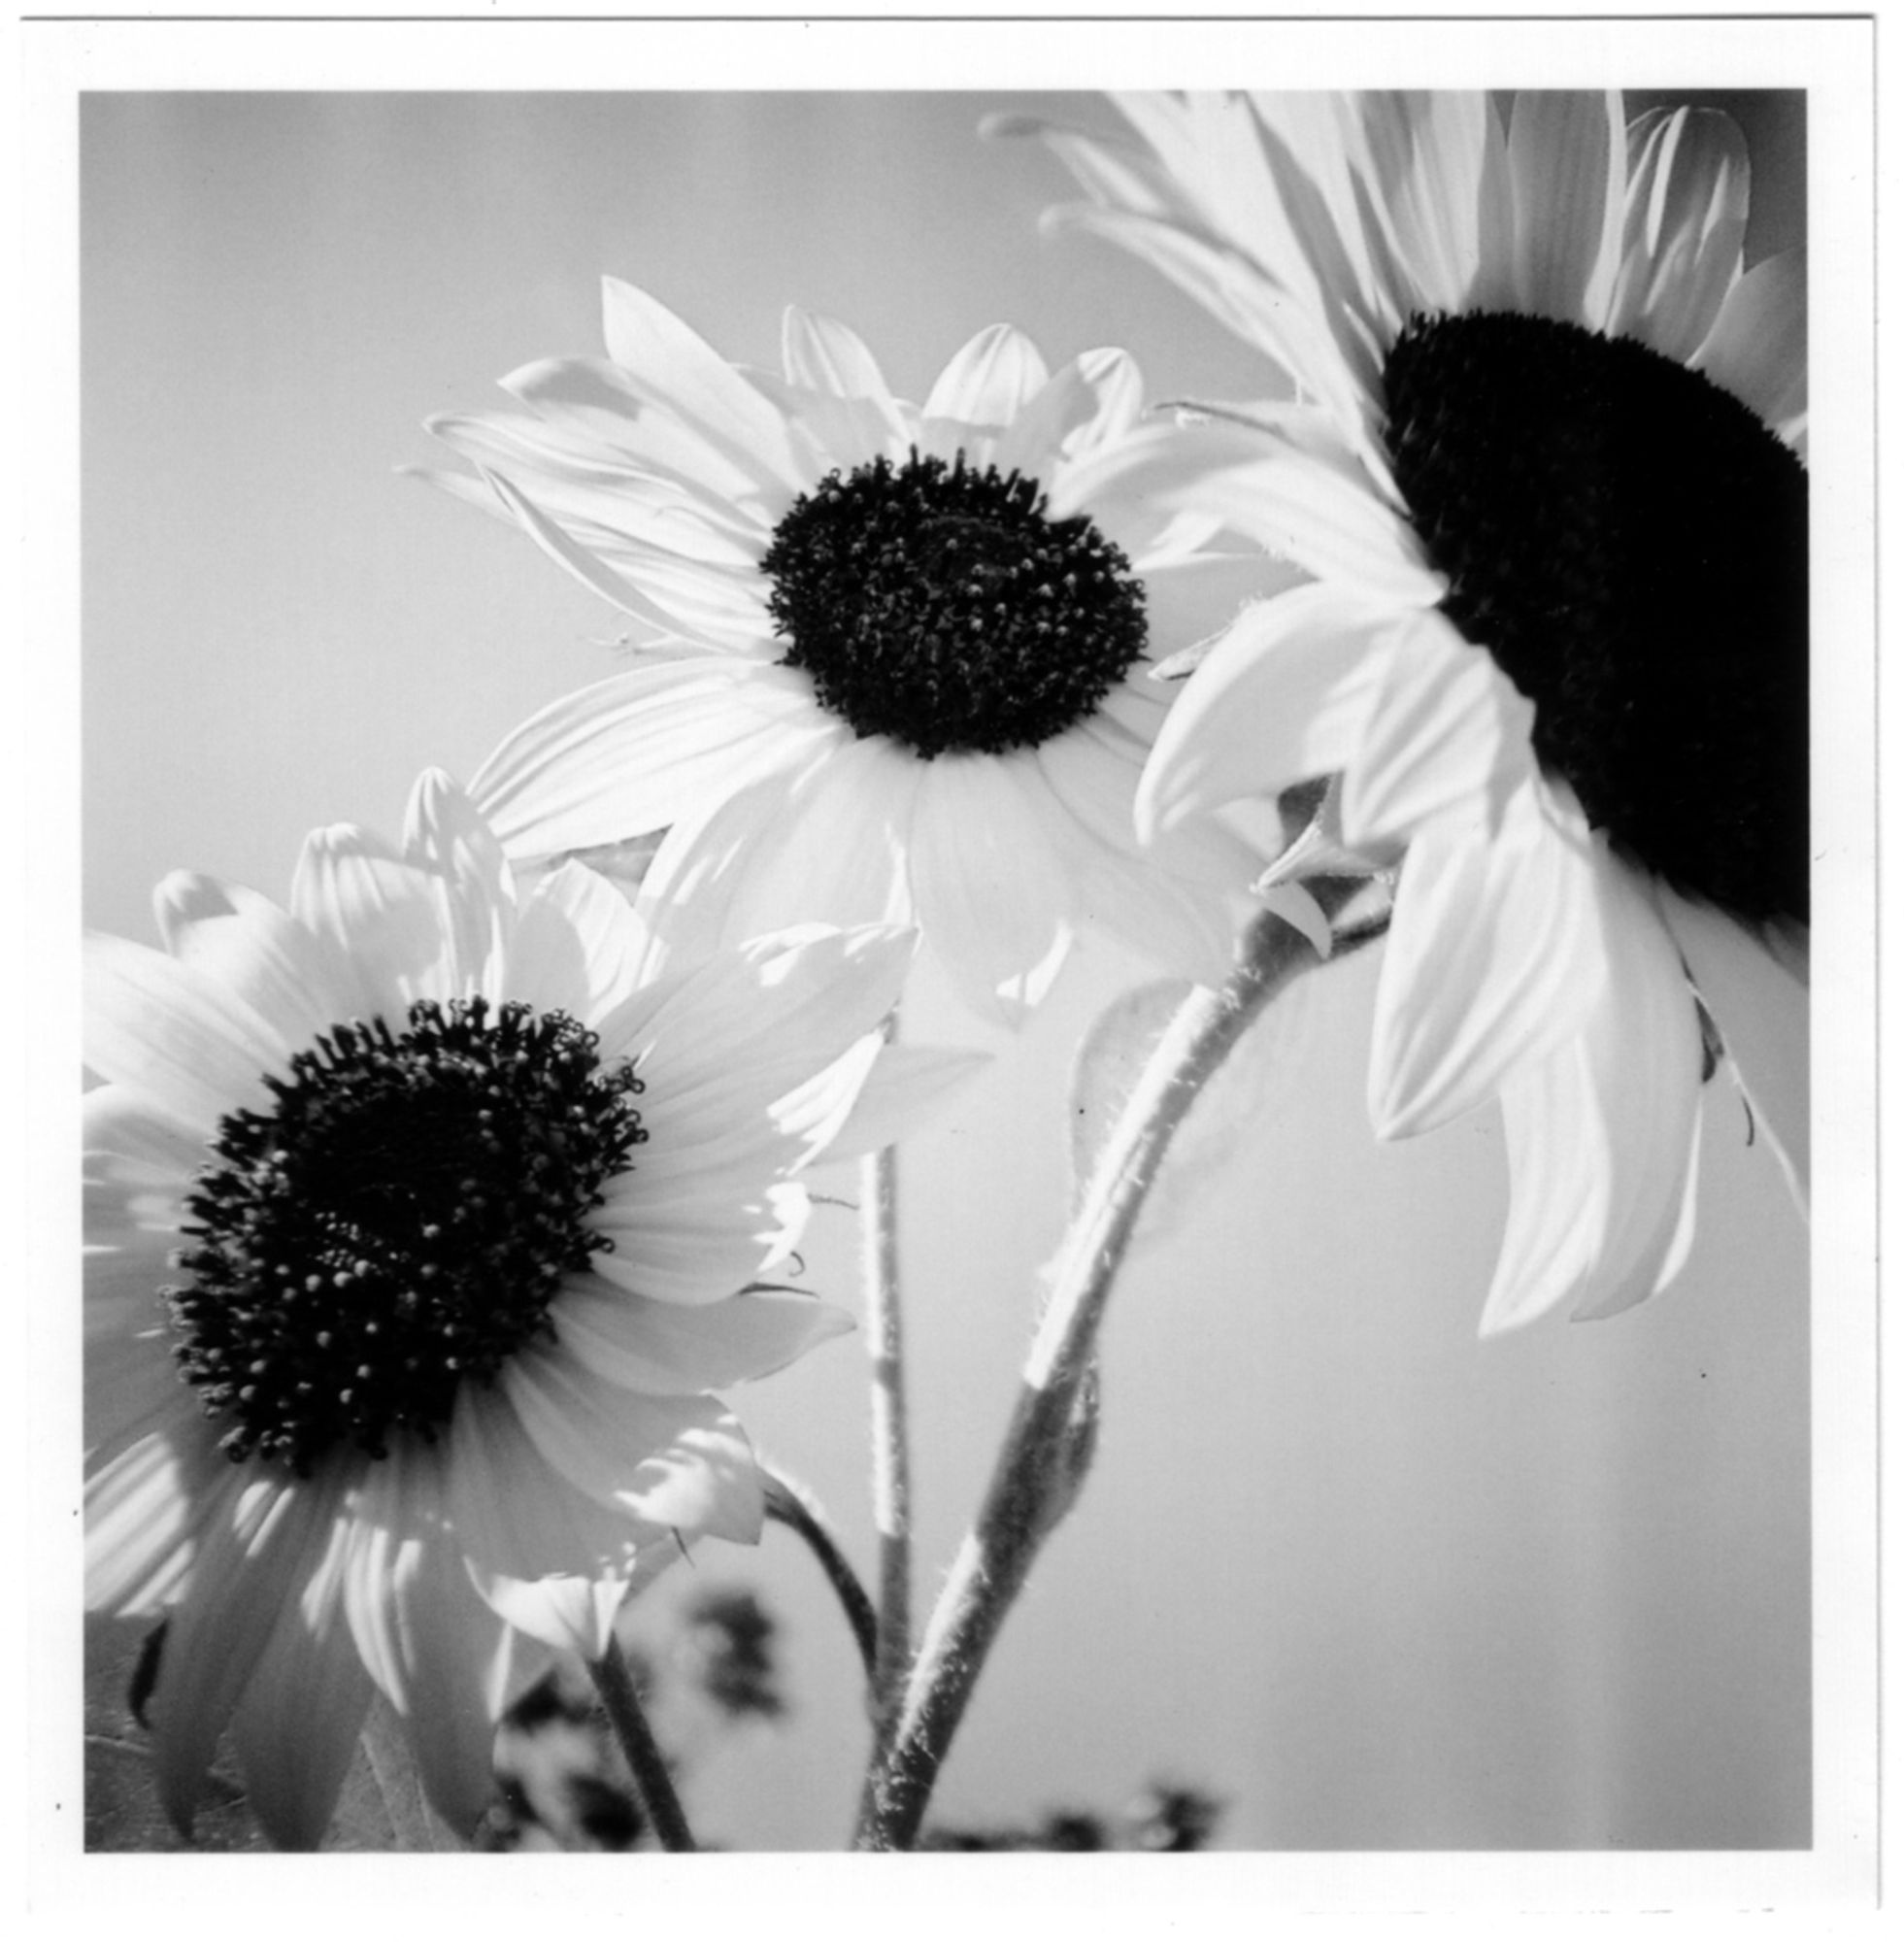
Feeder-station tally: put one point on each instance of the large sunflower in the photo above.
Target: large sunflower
(420, 1221)
(905, 620)
(1544, 469)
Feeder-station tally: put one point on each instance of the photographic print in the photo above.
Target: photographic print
(947, 976)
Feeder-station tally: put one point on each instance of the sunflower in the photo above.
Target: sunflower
(903, 625)
(422, 1218)
(1544, 470)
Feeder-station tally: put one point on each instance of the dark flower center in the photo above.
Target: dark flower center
(398, 1222)
(1628, 541)
(940, 606)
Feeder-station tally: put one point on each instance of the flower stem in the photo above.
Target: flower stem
(893, 1491)
(1045, 1449)
(790, 1503)
(654, 1788)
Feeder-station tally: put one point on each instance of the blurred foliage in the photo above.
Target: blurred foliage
(560, 1781)
(1165, 1818)
(730, 1638)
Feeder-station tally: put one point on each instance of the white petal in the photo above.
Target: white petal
(731, 1038)
(678, 1462)
(377, 919)
(537, 1550)
(1328, 519)
(1602, 1134)
(988, 381)
(165, 1032)
(1092, 399)
(992, 897)
(246, 944)
(296, 1729)
(670, 361)
(1763, 1008)
(1686, 194)
(827, 845)
(1567, 155)
(1429, 153)
(1756, 350)
(446, 837)
(667, 1349)
(641, 751)
(1449, 730)
(1497, 954)
(252, 1560)
(440, 1655)
(579, 947)
(1285, 695)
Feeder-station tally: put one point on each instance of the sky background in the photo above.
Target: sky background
(1370, 1582)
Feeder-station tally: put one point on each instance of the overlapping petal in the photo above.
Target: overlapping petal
(440, 1572)
(763, 789)
(1525, 960)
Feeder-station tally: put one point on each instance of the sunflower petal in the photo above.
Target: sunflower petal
(1687, 196)
(166, 1032)
(641, 751)
(1567, 157)
(1756, 349)
(1762, 1005)
(1495, 954)
(1602, 1134)
(297, 1725)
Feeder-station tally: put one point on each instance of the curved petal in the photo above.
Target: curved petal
(1763, 1009)
(1449, 731)
(375, 920)
(681, 1461)
(579, 947)
(253, 1559)
(826, 845)
(1602, 1134)
(1757, 348)
(672, 362)
(992, 897)
(1094, 398)
(1687, 195)
(440, 1655)
(987, 382)
(1431, 155)
(1497, 952)
(641, 751)
(1325, 517)
(666, 1349)
(246, 944)
(1567, 157)
(147, 1501)
(446, 837)
(539, 1553)
(1285, 695)
(297, 1725)
(906, 1088)
(165, 1032)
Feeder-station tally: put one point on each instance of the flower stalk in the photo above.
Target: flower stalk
(790, 1504)
(648, 1767)
(1047, 1447)
(891, 1469)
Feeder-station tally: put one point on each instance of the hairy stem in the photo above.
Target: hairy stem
(892, 1490)
(654, 1788)
(1042, 1462)
(790, 1504)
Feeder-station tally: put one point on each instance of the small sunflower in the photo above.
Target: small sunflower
(1544, 469)
(421, 1219)
(903, 623)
